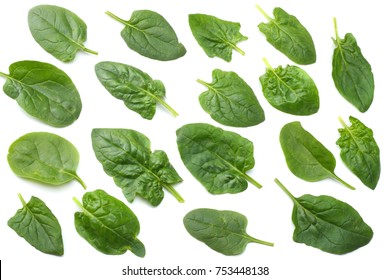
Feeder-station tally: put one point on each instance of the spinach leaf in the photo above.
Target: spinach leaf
(328, 224)
(137, 89)
(58, 31)
(150, 35)
(43, 91)
(217, 37)
(230, 101)
(360, 152)
(290, 90)
(218, 159)
(305, 156)
(108, 224)
(126, 156)
(351, 72)
(44, 157)
(288, 36)
(38, 226)
(222, 231)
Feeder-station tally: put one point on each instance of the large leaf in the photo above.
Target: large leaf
(126, 156)
(44, 157)
(38, 226)
(58, 31)
(43, 91)
(149, 34)
(137, 89)
(108, 224)
(218, 159)
(222, 231)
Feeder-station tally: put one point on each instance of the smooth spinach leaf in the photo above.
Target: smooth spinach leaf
(288, 36)
(38, 226)
(137, 89)
(149, 34)
(351, 72)
(290, 90)
(328, 224)
(218, 159)
(217, 37)
(58, 31)
(108, 224)
(230, 101)
(223, 231)
(360, 152)
(44, 157)
(43, 91)
(127, 157)
(305, 156)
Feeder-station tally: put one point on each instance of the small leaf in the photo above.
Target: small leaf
(222, 231)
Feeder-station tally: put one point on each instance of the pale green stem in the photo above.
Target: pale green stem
(336, 28)
(286, 191)
(90, 51)
(252, 181)
(260, 241)
(116, 18)
(267, 63)
(166, 105)
(342, 122)
(240, 51)
(78, 179)
(22, 200)
(79, 204)
(174, 193)
(343, 182)
(263, 13)
(4, 75)
(203, 83)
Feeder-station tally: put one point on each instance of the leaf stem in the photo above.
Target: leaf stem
(252, 181)
(240, 51)
(336, 30)
(342, 122)
(263, 12)
(255, 240)
(285, 190)
(343, 182)
(267, 64)
(90, 51)
(166, 105)
(22, 200)
(79, 204)
(174, 193)
(4, 75)
(203, 83)
(115, 17)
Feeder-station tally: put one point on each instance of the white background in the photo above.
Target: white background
(268, 209)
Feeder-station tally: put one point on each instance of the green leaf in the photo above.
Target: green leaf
(360, 152)
(218, 159)
(38, 226)
(58, 31)
(126, 156)
(222, 231)
(230, 101)
(288, 36)
(44, 157)
(150, 35)
(137, 89)
(43, 91)
(305, 156)
(217, 37)
(290, 90)
(351, 72)
(108, 224)
(328, 224)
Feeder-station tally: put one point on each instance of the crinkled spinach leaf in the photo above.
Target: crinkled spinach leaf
(218, 159)
(328, 224)
(351, 72)
(290, 90)
(43, 91)
(230, 101)
(126, 156)
(305, 156)
(149, 34)
(360, 152)
(217, 37)
(44, 157)
(108, 224)
(223, 231)
(137, 89)
(38, 226)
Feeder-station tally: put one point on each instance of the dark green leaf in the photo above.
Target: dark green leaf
(290, 90)
(58, 31)
(149, 34)
(222, 231)
(289, 36)
(108, 224)
(217, 37)
(218, 159)
(305, 156)
(38, 226)
(360, 152)
(44, 157)
(126, 156)
(230, 101)
(43, 91)
(352, 73)
(328, 224)
(137, 89)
